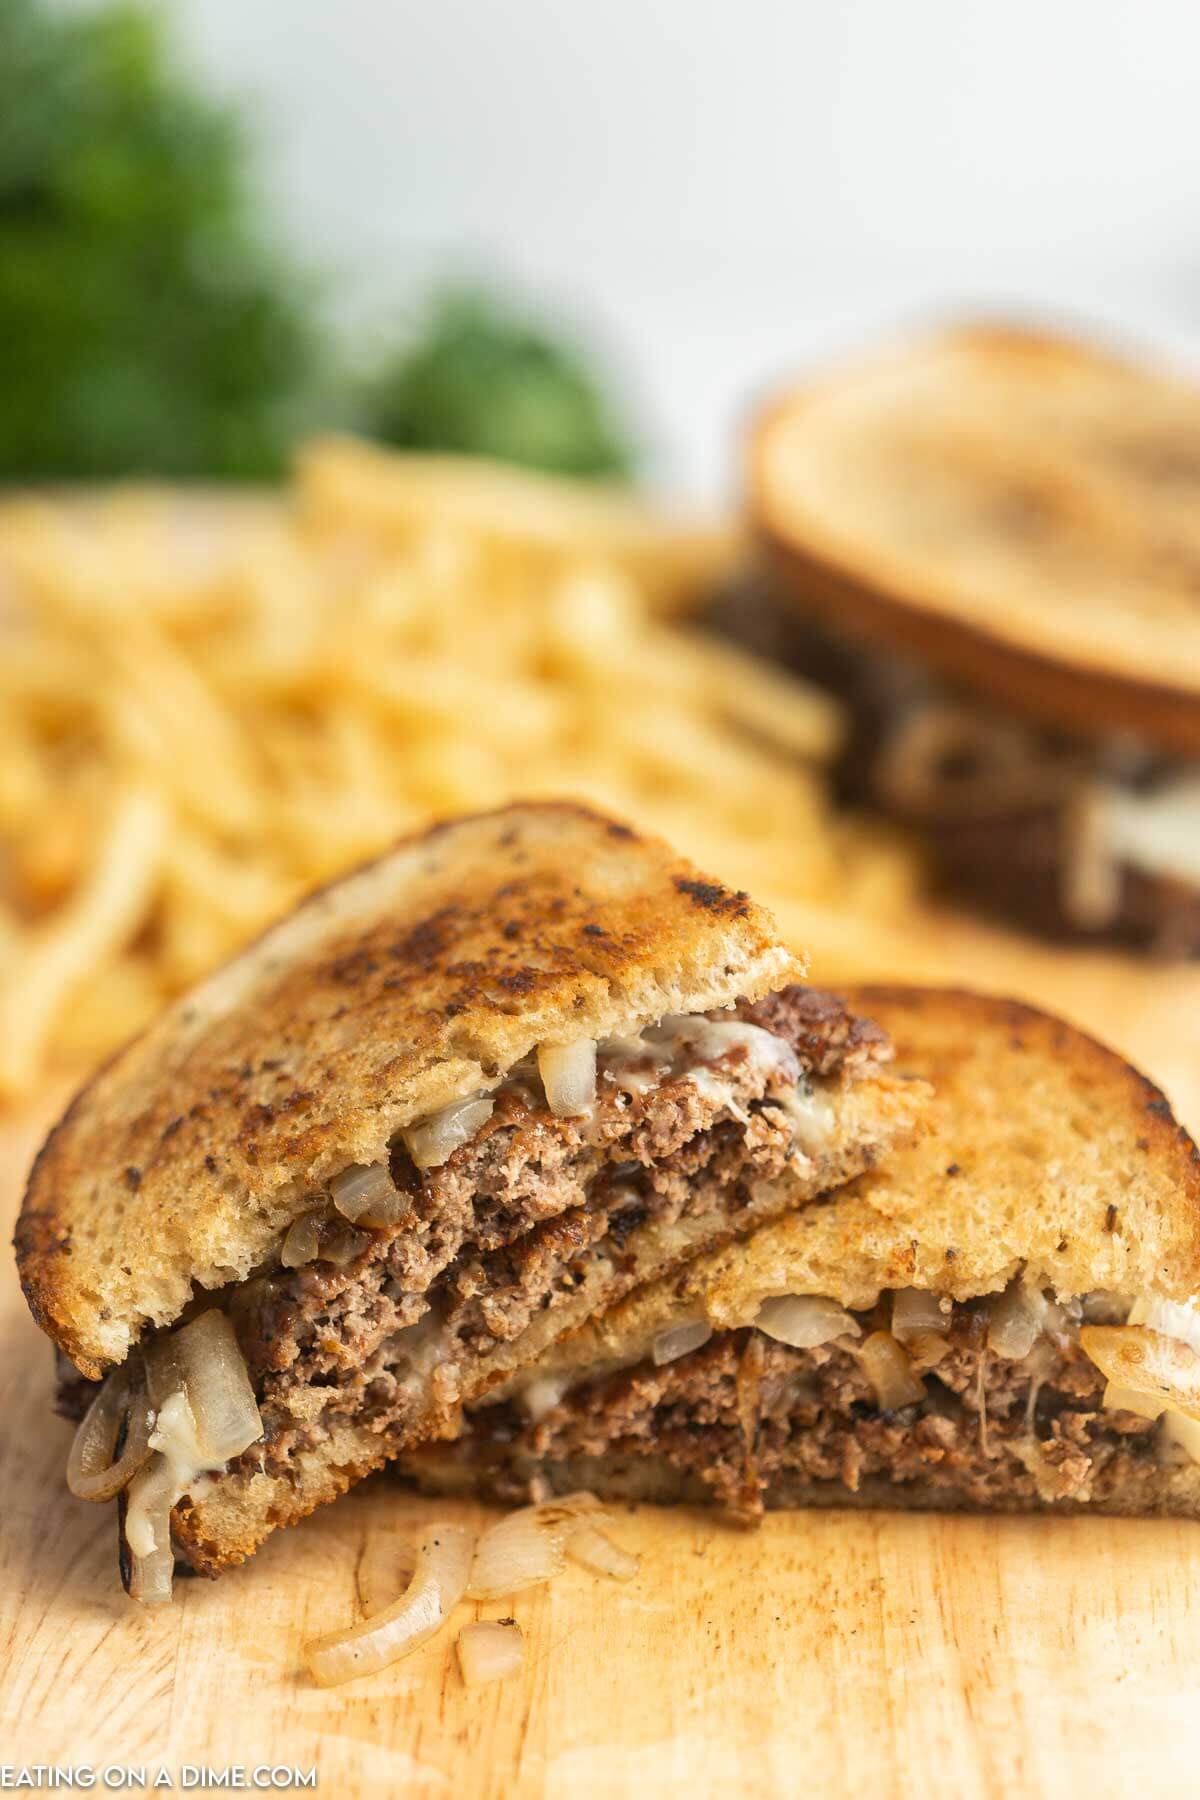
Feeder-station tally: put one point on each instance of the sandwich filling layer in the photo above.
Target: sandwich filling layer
(400, 1293)
(748, 1421)
(1077, 838)
(515, 1223)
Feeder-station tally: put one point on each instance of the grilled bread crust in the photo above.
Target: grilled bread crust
(1013, 508)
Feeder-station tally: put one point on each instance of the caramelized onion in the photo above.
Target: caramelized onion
(805, 1321)
(915, 1311)
(568, 1073)
(1013, 1325)
(146, 1532)
(303, 1241)
(384, 1571)
(366, 1195)
(1148, 1363)
(1018, 1317)
(91, 1472)
(1175, 1319)
(594, 1550)
(1183, 1434)
(886, 1366)
(439, 1577)
(434, 1142)
(490, 1650)
(528, 1546)
(216, 1382)
(670, 1345)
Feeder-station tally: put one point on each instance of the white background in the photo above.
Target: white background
(726, 191)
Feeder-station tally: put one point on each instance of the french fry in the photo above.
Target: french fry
(207, 708)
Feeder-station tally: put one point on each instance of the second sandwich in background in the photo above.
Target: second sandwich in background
(986, 543)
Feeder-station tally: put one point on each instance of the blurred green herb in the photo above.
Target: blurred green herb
(149, 325)
(479, 378)
(146, 324)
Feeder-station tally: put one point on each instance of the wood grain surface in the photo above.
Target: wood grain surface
(831, 1654)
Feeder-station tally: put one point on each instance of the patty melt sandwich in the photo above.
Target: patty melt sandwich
(439, 1115)
(988, 543)
(1000, 1319)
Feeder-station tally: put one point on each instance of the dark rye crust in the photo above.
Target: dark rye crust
(748, 1425)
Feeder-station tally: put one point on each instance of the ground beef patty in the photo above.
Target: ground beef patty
(753, 1423)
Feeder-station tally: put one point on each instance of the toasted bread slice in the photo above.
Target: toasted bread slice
(1016, 510)
(420, 978)
(1052, 1163)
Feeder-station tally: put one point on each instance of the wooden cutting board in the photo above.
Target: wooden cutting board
(828, 1654)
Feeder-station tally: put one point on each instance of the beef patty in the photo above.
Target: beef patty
(750, 1423)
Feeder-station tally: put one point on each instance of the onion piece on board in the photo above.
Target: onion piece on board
(384, 1571)
(805, 1321)
(366, 1195)
(147, 1559)
(91, 1472)
(679, 1341)
(528, 1546)
(442, 1566)
(1146, 1362)
(490, 1650)
(886, 1366)
(434, 1142)
(594, 1549)
(568, 1073)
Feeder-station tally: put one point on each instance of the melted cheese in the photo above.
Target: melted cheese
(1158, 830)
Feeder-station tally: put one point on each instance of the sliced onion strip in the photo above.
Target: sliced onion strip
(679, 1341)
(490, 1650)
(805, 1321)
(1018, 1317)
(915, 1311)
(443, 1563)
(91, 1472)
(303, 1241)
(435, 1140)
(1146, 1362)
(366, 1195)
(528, 1546)
(216, 1382)
(594, 1549)
(146, 1532)
(568, 1073)
(886, 1366)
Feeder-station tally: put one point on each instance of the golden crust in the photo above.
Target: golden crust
(992, 624)
(420, 977)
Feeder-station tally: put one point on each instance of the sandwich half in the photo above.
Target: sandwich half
(986, 542)
(1001, 1319)
(440, 1114)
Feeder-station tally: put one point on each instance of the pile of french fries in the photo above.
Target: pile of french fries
(209, 705)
